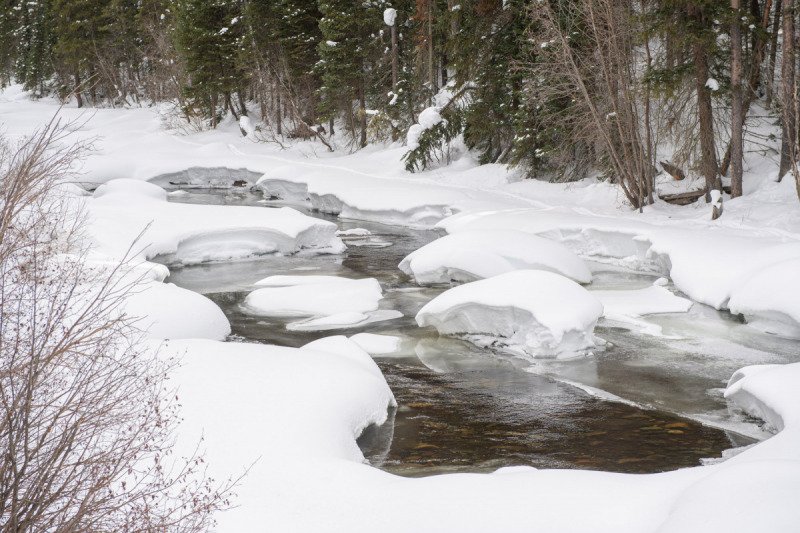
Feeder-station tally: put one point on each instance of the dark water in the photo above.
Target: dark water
(465, 409)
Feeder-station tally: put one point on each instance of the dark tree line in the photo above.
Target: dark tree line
(560, 88)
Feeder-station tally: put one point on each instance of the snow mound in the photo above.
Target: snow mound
(330, 302)
(129, 187)
(165, 311)
(477, 254)
(375, 344)
(536, 312)
(770, 299)
(627, 306)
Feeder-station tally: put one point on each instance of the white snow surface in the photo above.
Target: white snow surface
(313, 296)
(292, 416)
(471, 255)
(121, 210)
(165, 311)
(331, 302)
(540, 313)
(770, 299)
(628, 306)
(375, 344)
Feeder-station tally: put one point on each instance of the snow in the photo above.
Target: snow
(628, 306)
(292, 415)
(377, 344)
(184, 234)
(709, 266)
(770, 300)
(535, 312)
(472, 255)
(428, 118)
(389, 16)
(331, 302)
(165, 311)
(712, 84)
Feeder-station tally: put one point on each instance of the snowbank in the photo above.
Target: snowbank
(121, 210)
(770, 300)
(377, 344)
(471, 255)
(708, 265)
(165, 311)
(535, 312)
(330, 301)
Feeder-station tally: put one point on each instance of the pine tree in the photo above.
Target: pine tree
(210, 36)
(348, 54)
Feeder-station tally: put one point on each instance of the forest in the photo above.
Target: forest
(562, 89)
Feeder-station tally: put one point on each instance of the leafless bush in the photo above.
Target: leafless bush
(87, 418)
(587, 58)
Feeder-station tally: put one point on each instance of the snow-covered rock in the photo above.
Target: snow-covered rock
(770, 299)
(535, 312)
(471, 255)
(331, 302)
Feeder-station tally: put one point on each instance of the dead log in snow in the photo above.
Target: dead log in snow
(673, 170)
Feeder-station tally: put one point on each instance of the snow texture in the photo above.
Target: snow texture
(389, 16)
(770, 300)
(539, 313)
(472, 255)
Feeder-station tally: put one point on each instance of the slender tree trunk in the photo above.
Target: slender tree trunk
(789, 130)
(431, 65)
(77, 91)
(773, 52)
(395, 76)
(242, 103)
(362, 114)
(708, 163)
(278, 111)
(737, 116)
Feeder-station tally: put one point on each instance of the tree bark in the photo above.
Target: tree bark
(77, 91)
(737, 115)
(789, 130)
(362, 115)
(708, 163)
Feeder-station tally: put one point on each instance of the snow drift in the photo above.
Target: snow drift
(535, 312)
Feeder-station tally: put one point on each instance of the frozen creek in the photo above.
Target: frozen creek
(466, 409)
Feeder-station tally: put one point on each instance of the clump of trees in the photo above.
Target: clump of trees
(87, 418)
(560, 88)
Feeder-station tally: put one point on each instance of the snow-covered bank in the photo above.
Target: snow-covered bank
(188, 234)
(294, 416)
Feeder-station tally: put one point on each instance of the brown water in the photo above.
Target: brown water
(466, 409)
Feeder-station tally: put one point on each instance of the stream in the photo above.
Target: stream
(467, 409)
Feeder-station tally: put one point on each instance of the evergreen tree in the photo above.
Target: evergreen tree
(210, 36)
(349, 52)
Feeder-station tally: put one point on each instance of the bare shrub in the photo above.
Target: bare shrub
(87, 418)
(587, 59)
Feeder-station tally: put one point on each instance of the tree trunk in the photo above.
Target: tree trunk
(737, 116)
(395, 76)
(773, 52)
(77, 91)
(278, 112)
(431, 65)
(362, 115)
(789, 130)
(708, 163)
